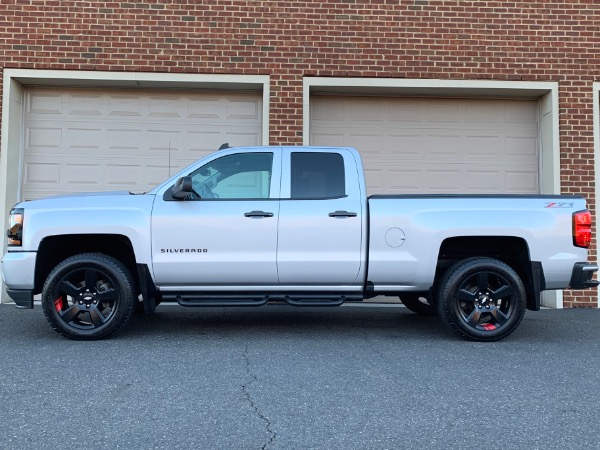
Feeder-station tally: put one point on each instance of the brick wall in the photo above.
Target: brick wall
(494, 40)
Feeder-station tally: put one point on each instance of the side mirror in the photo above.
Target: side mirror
(182, 188)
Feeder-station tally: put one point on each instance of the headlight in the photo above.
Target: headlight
(15, 227)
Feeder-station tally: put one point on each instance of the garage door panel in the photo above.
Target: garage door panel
(406, 146)
(448, 145)
(204, 108)
(405, 112)
(164, 106)
(208, 141)
(443, 114)
(442, 145)
(82, 174)
(102, 140)
(480, 180)
(129, 105)
(42, 173)
(44, 104)
(81, 140)
(446, 180)
(43, 139)
(520, 113)
(403, 181)
(120, 175)
(84, 105)
(367, 140)
(236, 136)
(522, 147)
(247, 109)
(481, 146)
(518, 182)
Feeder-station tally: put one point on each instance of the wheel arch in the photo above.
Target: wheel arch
(512, 250)
(54, 249)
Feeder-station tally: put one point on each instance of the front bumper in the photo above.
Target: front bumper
(18, 274)
(582, 276)
(18, 270)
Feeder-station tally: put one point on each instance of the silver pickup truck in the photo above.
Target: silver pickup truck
(249, 226)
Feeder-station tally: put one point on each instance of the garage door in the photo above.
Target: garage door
(412, 145)
(91, 140)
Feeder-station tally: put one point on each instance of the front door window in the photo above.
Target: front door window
(239, 176)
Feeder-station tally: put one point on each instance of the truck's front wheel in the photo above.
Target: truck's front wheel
(483, 299)
(88, 296)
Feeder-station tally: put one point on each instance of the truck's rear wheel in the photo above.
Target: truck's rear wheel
(482, 299)
(418, 304)
(88, 296)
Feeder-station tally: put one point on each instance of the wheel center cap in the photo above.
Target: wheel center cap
(483, 300)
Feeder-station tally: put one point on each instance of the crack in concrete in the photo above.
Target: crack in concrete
(248, 397)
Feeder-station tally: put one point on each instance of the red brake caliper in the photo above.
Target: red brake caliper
(488, 326)
(58, 304)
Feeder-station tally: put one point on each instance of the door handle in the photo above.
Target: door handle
(258, 214)
(342, 214)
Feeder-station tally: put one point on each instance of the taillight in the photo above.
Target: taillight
(582, 229)
(15, 227)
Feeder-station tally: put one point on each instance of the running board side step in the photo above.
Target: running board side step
(298, 299)
(320, 300)
(222, 300)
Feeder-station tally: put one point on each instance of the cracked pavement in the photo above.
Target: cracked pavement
(248, 397)
(278, 377)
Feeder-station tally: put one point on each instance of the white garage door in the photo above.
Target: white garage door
(80, 140)
(412, 145)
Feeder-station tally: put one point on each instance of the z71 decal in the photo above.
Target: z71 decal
(559, 205)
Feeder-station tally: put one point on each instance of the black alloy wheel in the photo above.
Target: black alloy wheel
(88, 296)
(483, 299)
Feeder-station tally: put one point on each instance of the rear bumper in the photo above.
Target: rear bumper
(582, 276)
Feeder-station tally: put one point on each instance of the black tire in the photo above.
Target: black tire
(88, 296)
(482, 299)
(418, 304)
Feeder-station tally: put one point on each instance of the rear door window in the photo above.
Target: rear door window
(317, 176)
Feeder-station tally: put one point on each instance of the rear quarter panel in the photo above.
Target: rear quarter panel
(424, 222)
